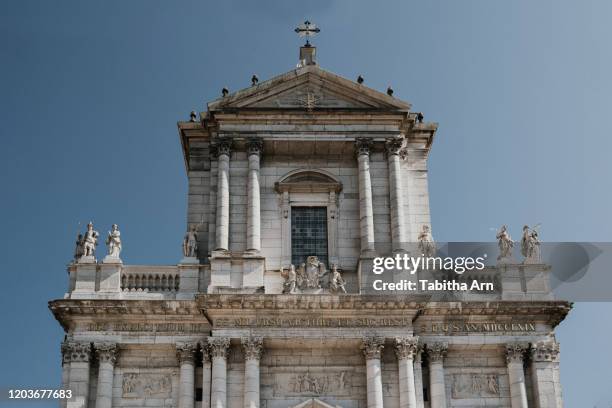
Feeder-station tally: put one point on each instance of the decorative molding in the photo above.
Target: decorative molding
(106, 352)
(545, 351)
(185, 352)
(437, 351)
(372, 347)
(253, 347)
(218, 346)
(406, 347)
(515, 352)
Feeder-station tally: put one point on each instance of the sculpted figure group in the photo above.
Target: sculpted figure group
(309, 275)
(530, 245)
(85, 245)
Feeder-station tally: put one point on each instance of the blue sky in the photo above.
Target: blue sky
(90, 93)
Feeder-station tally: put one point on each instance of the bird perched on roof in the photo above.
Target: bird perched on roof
(254, 80)
(420, 117)
(360, 80)
(390, 91)
(224, 92)
(192, 116)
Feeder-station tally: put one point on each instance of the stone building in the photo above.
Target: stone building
(316, 171)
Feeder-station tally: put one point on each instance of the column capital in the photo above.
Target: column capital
(106, 352)
(80, 352)
(393, 146)
(437, 351)
(254, 145)
(221, 146)
(185, 352)
(362, 146)
(515, 352)
(406, 347)
(253, 347)
(372, 347)
(545, 351)
(218, 346)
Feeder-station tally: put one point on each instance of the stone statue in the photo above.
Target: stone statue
(505, 243)
(426, 245)
(530, 245)
(310, 273)
(90, 241)
(337, 282)
(78, 247)
(190, 243)
(113, 242)
(290, 276)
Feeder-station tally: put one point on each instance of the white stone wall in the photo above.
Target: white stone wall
(479, 361)
(202, 202)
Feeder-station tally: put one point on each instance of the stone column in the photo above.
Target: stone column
(222, 227)
(218, 352)
(366, 212)
(418, 376)
(405, 350)
(185, 353)
(253, 348)
(254, 149)
(206, 376)
(80, 354)
(515, 352)
(65, 348)
(436, 353)
(399, 236)
(107, 356)
(545, 374)
(372, 348)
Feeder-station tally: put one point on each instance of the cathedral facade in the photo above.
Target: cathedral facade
(296, 185)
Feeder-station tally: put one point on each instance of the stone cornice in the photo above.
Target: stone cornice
(67, 310)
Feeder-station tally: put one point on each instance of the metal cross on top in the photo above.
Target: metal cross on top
(307, 29)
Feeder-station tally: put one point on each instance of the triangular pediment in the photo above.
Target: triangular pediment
(314, 403)
(309, 88)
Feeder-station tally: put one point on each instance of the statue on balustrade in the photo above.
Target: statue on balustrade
(505, 244)
(78, 247)
(90, 240)
(113, 242)
(337, 283)
(190, 243)
(426, 246)
(530, 245)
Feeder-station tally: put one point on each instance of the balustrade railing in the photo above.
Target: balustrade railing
(140, 280)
